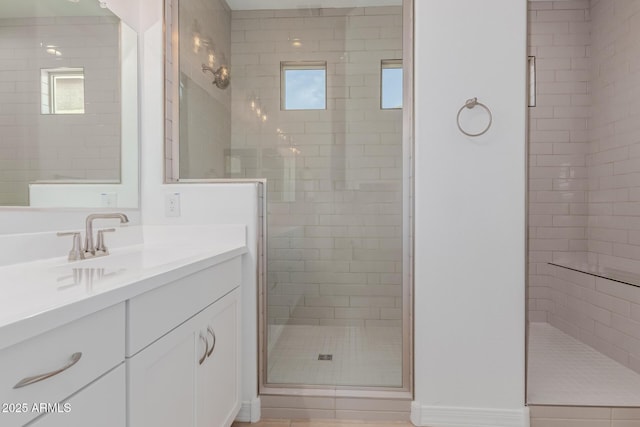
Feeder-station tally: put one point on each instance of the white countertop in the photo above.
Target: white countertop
(40, 295)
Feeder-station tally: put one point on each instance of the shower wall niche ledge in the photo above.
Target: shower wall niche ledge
(621, 276)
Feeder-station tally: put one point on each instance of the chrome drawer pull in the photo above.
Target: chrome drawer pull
(75, 357)
(209, 330)
(206, 349)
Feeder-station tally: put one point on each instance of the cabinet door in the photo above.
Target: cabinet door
(162, 381)
(101, 404)
(218, 377)
(80, 352)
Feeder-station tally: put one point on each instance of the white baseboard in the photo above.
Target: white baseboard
(249, 411)
(442, 416)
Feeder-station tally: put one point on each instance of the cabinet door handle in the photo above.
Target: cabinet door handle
(206, 349)
(75, 357)
(209, 330)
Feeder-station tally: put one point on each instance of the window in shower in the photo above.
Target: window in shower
(391, 84)
(303, 85)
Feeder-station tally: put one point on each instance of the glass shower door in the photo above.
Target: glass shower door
(309, 116)
(315, 108)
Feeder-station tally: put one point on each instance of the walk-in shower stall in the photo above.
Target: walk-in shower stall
(319, 106)
(584, 203)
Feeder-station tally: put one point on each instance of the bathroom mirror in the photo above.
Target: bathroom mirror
(225, 77)
(68, 105)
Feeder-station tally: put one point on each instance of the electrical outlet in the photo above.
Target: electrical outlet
(172, 204)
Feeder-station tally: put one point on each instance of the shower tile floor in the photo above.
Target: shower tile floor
(564, 371)
(362, 356)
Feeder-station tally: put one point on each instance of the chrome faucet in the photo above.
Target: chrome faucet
(89, 247)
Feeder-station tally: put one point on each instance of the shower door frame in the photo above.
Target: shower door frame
(406, 391)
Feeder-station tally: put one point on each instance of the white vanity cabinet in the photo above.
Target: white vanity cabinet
(153, 342)
(177, 374)
(101, 404)
(218, 374)
(38, 375)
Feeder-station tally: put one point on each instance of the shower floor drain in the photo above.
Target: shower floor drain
(325, 357)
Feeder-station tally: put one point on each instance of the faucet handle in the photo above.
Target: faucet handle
(100, 246)
(76, 253)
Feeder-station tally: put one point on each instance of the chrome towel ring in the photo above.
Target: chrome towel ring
(471, 103)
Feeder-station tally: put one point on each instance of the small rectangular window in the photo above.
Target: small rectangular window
(391, 84)
(62, 91)
(303, 85)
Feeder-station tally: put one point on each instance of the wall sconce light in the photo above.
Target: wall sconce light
(51, 49)
(221, 76)
(295, 41)
(261, 113)
(197, 37)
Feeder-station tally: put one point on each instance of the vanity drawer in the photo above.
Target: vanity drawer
(154, 313)
(97, 340)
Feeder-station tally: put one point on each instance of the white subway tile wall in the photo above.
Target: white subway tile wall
(205, 109)
(614, 156)
(334, 175)
(35, 146)
(171, 144)
(558, 142)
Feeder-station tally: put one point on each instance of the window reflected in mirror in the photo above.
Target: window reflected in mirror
(62, 91)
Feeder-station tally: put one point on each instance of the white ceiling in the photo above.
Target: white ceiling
(46, 8)
(306, 4)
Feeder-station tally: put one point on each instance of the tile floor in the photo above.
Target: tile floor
(362, 356)
(574, 416)
(320, 423)
(565, 371)
(562, 371)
